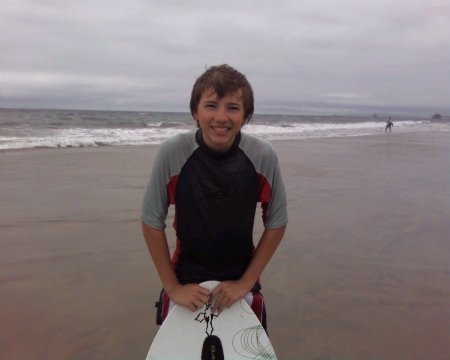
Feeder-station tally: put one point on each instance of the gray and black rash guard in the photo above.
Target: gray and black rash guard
(215, 197)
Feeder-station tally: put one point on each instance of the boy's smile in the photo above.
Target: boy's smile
(220, 120)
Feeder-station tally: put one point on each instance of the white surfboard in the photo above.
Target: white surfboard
(234, 334)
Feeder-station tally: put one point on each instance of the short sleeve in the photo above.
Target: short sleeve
(156, 203)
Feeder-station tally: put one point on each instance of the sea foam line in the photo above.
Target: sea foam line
(82, 137)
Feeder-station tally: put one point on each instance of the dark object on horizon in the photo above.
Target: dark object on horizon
(437, 116)
(375, 115)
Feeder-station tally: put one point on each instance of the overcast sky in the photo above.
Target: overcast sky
(346, 57)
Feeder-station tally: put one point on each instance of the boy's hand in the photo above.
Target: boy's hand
(192, 296)
(227, 293)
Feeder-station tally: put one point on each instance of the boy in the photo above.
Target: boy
(214, 176)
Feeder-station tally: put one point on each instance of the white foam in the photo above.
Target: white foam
(28, 137)
(310, 130)
(79, 137)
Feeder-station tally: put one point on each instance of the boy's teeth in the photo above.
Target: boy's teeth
(220, 128)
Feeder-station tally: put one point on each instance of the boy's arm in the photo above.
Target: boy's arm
(191, 296)
(228, 292)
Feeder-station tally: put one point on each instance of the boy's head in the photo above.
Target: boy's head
(223, 80)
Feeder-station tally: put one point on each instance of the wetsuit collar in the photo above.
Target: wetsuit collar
(213, 153)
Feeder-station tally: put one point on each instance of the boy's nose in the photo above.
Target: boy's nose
(221, 113)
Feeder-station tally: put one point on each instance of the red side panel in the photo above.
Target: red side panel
(171, 189)
(165, 305)
(257, 305)
(265, 190)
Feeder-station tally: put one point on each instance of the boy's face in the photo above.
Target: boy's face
(220, 120)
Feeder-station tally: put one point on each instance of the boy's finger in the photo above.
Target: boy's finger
(198, 304)
(230, 303)
(202, 298)
(212, 299)
(217, 303)
(204, 291)
(216, 290)
(222, 305)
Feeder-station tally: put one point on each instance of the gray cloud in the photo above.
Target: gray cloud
(321, 57)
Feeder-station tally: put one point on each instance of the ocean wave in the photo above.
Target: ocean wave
(81, 137)
(168, 124)
(10, 123)
(14, 137)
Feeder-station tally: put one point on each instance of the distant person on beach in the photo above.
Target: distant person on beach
(389, 124)
(215, 176)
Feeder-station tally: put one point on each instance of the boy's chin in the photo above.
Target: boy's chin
(220, 144)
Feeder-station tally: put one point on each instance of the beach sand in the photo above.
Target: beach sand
(362, 273)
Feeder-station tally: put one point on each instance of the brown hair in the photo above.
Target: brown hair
(223, 80)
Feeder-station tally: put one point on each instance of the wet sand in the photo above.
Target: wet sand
(363, 271)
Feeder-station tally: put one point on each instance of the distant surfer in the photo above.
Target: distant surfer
(389, 124)
(215, 176)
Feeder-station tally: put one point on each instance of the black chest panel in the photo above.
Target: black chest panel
(216, 199)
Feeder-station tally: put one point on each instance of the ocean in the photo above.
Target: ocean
(25, 128)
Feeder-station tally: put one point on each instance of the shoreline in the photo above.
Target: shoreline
(362, 272)
(101, 145)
